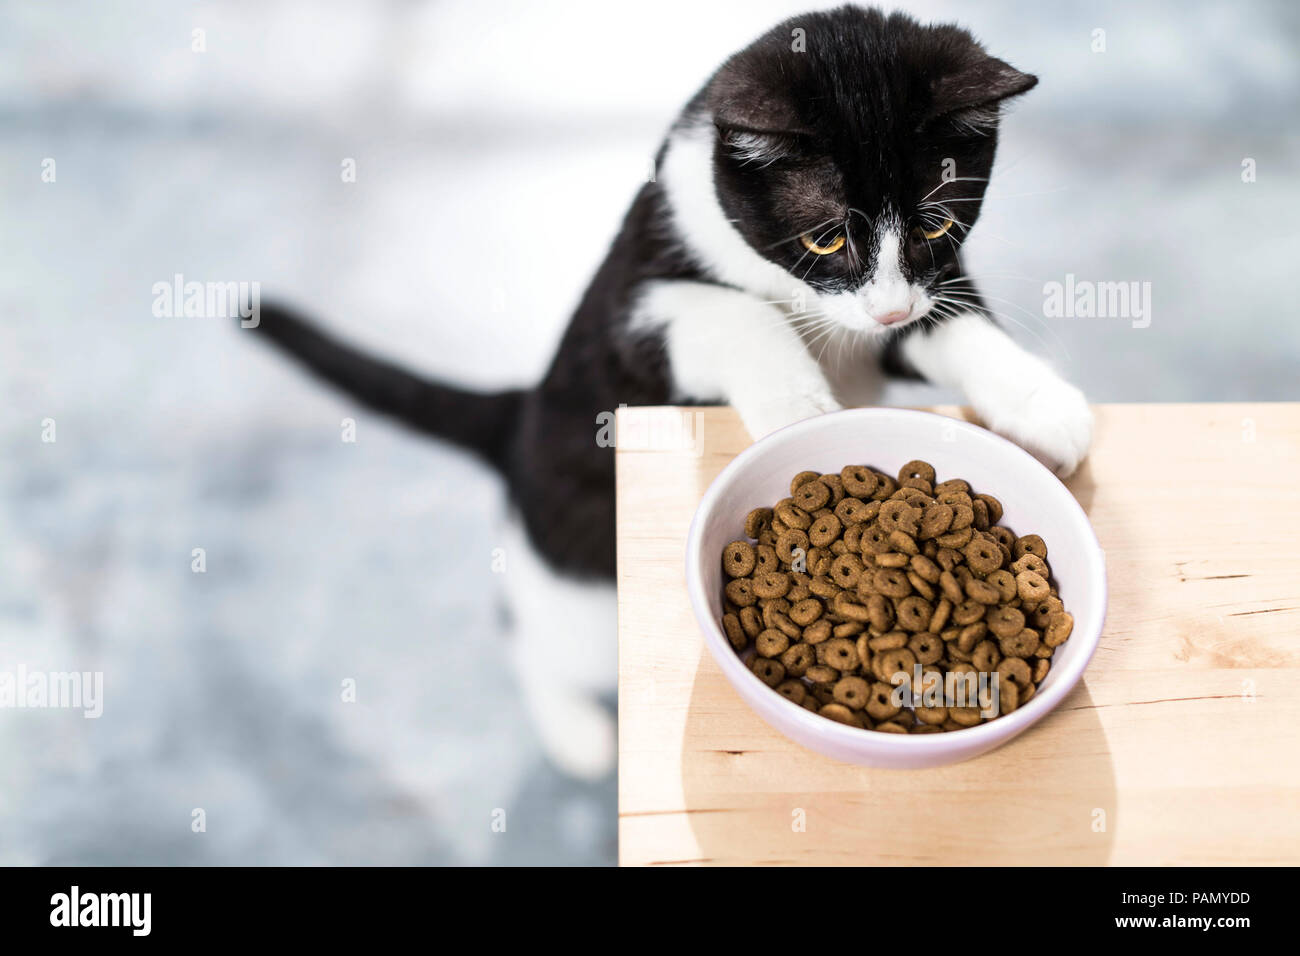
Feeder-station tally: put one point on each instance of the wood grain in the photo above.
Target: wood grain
(1179, 746)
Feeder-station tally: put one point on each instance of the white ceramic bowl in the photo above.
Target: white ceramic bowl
(1034, 500)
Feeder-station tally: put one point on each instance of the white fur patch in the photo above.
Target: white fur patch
(565, 653)
(1016, 394)
(724, 344)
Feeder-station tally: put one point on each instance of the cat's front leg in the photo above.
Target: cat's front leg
(727, 345)
(1016, 394)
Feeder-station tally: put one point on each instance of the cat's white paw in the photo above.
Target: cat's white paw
(1051, 420)
(764, 414)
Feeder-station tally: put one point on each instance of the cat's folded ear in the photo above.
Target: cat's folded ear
(974, 92)
(755, 122)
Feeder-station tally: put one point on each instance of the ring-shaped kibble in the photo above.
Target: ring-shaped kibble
(836, 486)
(994, 506)
(825, 691)
(1024, 644)
(880, 612)
(735, 633)
(802, 479)
(942, 612)
(982, 555)
(793, 516)
(766, 559)
(739, 559)
(840, 714)
(822, 674)
(1004, 536)
(985, 656)
(862, 643)
(919, 485)
(931, 718)
(951, 587)
(771, 643)
(1059, 628)
(966, 613)
(771, 584)
(885, 487)
(750, 621)
(891, 559)
(851, 692)
(859, 481)
(817, 632)
(956, 539)
(915, 497)
(927, 569)
(792, 690)
(770, 672)
(781, 621)
(740, 592)
(962, 517)
(847, 608)
(954, 498)
(914, 614)
(889, 641)
(1040, 617)
(846, 569)
(1005, 582)
(965, 716)
(887, 664)
(757, 521)
(1041, 667)
(1014, 670)
(979, 591)
(1030, 544)
(1030, 562)
(1005, 621)
(1008, 698)
(851, 511)
(839, 653)
(797, 658)
(970, 635)
(806, 611)
(853, 536)
(927, 647)
(811, 495)
(903, 543)
(917, 469)
(822, 586)
(952, 484)
(1031, 586)
(981, 512)
(789, 543)
(920, 585)
(824, 530)
(880, 701)
(898, 515)
(891, 582)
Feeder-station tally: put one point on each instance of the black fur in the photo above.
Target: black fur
(853, 128)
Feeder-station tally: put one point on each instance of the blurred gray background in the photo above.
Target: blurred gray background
(496, 146)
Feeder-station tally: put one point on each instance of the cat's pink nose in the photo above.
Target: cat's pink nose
(889, 318)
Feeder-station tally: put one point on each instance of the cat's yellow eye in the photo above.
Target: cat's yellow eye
(835, 245)
(935, 233)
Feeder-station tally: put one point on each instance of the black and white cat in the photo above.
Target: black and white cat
(810, 200)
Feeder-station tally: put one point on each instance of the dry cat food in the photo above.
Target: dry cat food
(892, 604)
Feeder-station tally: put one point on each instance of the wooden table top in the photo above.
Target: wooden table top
(1181, 745)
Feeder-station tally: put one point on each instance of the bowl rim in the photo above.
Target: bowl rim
(991, 732)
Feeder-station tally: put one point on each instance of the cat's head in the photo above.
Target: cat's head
(853, 150)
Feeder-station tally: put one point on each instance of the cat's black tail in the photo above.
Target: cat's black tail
(481, 422)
